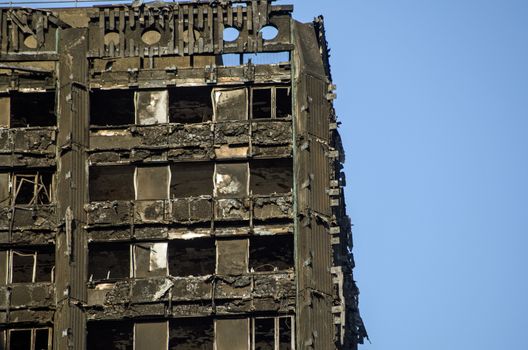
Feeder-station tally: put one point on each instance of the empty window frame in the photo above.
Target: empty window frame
(271, 102)
(108, 261)
(271, 253)
(29, 109)
(31, 265)
(259, 333)
(191, 334)
(236, 59)
(192, 257)
(272, 333)
(190, 105)
(271, 176)
(32, 187)
(231, 180)
(29, 339)
(112, 107)
(111, 183)
(280, 57)
(150, 259)
(191, 179)
(110, 335)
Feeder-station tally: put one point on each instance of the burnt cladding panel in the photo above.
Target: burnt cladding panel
(315, 322)
(318, 106)
(320, 169)
(73, 122)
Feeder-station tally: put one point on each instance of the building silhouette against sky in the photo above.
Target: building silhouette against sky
(171, 179)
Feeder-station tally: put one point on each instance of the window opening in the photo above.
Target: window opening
(191, 179)
(112, 107)
(271, 176)
(193, 257)
(32, 265)
(108, 261)
(261, 103)
(270, 333)
(190, 105)
(29, 109)
(191, 334)
(271, 102)
(271, 253)
(32, 189)
(29, 339)
(110, 335)
(111, 183)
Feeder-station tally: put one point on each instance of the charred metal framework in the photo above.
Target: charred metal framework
(162, 187)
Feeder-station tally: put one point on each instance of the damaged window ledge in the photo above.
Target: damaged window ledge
(251, 283)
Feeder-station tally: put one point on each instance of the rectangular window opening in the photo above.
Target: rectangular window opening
(261, 103)
(112, 107)
(32, 109)
(264, 333)
(42, 339)
(271, 176)
(32, 265)
(20, 339)
(285, 333)
(283, 101)
(32, 188)
(191, 333)
(231, 59)
(190, 105)
(111, 183)
(109, 261)
(29, 339)
(191, 179)
(281, 57)
(270, 333)
(110, 335)
(193, 257)
(271, 253)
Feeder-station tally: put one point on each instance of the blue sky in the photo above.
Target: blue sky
(433, 100)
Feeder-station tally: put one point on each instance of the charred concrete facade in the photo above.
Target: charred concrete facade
(165, 187)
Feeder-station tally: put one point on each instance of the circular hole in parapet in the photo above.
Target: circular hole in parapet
(231, 34)
(30, 41)
(111, 37)
(269, 32)
(151, 37)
